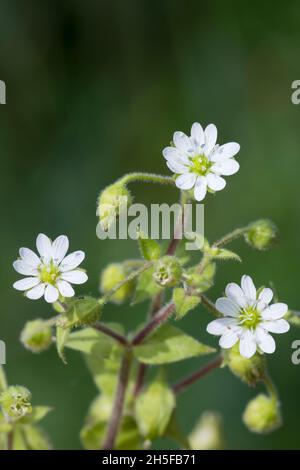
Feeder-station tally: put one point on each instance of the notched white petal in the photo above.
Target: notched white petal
(44, 246)
(236, 294)
(72, 261)
(275, 311)
(29, 257)
(23, 268)
(60, 247)
(26, 283)
(51, 294)
(248, 288)
(36, 292)
(65, 289)
(75, 277)
(227, 307)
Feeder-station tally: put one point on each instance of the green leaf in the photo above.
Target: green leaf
(104, 372)
(36, 439)
(150, 249)
(39, 413)
(19, 442)
(146, 287)
(223, 254)
(203, 281)
(128, 438)
(184, 302)
(169, 344)
(62, 335)
(153, 409)
(82, 311)
(91, 341)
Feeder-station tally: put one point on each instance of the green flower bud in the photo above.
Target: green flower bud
(167, 271)
(36, 336)
(111, 202)
(110, 277)
(262, 234)
(250, 370)
(262, 414)
(15, 401)
(208, 433)
(100, 409)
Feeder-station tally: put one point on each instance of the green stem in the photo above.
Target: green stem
(3, 381)
(147, 178)
(161, 317)
(270, 387)
(210, 306)
(194, 377)
(231, 236)
(127, 279)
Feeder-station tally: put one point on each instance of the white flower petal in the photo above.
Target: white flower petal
(186, 181)
(215, 182)
(220, 326)
(276, 326)
(197, 134)
(177, 167)
(225, 151)
(265, 341)
(200, 188)
(51, 294)
(65, 289)
(26, 283)
(72, 261)
(227, 307)
(247, 344)
(265, 297)
(75, 277)
(29, 257)
(236, 294)
(60, 247)
(210, 138)
(248, 288)
(228, 340)
(172, 153)
(23, 268)
(275, 311)
(182, 142)
(44, 246)
(227, 168)
(36, 292)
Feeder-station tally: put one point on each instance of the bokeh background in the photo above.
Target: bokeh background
(95, 89)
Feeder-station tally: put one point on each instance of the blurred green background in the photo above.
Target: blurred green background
(96, 89)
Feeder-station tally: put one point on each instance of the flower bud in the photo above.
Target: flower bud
(15, 401)
(110, 277)
(167, 271)
(36, 336)
(262, 234)
(262, 414)
(208, 433)
(113, 200)
(250, 370)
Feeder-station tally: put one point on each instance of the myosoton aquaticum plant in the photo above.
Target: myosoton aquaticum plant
(134, 405)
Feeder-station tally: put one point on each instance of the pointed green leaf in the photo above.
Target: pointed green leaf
(199, 240)
(62, 335)
(222, 253)
(184, 302)
(91, 341)
(150, 249)
(153, 409)
(36, 438)
(82, 311)
(169, 344)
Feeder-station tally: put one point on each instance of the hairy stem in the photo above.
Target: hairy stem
(127, 279)
(141, 372)
(113, 334)
(190, 379)
(160, 317)
(231, 236)
(116, 417)
(147, 178)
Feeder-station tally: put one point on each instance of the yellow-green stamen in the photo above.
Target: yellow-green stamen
(49, 273)
(250, 317)
(200, 165)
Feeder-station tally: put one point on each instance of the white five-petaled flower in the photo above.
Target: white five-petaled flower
(51, 274)
(249, 318)
(199, 162)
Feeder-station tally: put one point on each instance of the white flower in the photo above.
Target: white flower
(51, 274)
(199, 161)
(249, 318)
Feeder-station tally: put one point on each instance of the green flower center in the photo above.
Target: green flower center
(250, 317)
(200, 165)
(49, 273)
